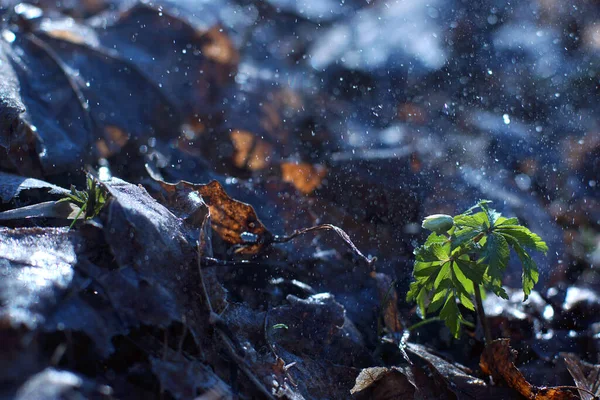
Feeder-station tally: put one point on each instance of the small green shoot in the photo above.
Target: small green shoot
(280, 326)
(90, 201)
(466, 254)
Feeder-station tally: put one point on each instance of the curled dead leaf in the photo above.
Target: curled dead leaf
(497, 361)
(234, 221)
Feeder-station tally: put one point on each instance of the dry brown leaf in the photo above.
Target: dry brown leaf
(250, 151)
(497, 361)
(305, 177)
(381, 383)
(230, 219)
(389, 301)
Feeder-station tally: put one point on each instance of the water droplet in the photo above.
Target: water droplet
(8, 36)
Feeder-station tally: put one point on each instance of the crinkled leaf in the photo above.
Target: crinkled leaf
(471, 270)
(443, 274)
(530, 272)
(435, 238)
(441, 251)
(425, 254)
(506, 221)
(423, 269)
(524, 236)
(462, 236)
(491, 214)
(231, 219)
(496, 287)
(495, 255)
(451, 315)
(476, 221)
(437, 301)
(464, 287)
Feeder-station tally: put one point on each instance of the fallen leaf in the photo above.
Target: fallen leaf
(585, 375)
(47, 209)
(250, 151)
(379, 383)
(12, 185)
(185, 379)
(497, 361)
(235, 222)
(388, 299)
(305, 177)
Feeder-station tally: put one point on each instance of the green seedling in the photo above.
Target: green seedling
(466, 255)
(90, 201)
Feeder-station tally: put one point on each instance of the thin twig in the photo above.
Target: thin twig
(370, 261)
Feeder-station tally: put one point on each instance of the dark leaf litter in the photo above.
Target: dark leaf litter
(221, 131)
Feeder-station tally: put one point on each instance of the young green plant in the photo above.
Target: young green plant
(466, 255)
(90, 201)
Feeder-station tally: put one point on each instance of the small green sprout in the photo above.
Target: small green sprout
(280, 326)
(465, 255)
(90, 201)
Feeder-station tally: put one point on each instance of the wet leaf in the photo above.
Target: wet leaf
(186, 379)
(12, 185)
(52, 383)
(585, 375)
(48, 209)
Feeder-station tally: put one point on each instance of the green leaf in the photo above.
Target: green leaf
(421, 299)
(435, 238)
(424, 270)
(433, 252)
(438, 300)
(425, 254)
(495, 255)
(491, 214)
(471, 270)
(451, 315)
(463, 286)
(477, 221)
(507, 221)
(444, 274)
(462, 236)
(524, 236)
(496, 287)
(479, 204)
(442, 252)
(530, 271)
(413, 291)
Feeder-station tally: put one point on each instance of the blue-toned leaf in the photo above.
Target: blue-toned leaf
(495, 255)
(530, 271)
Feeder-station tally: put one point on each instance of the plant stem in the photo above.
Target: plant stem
(424, 322)
(481, 316)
